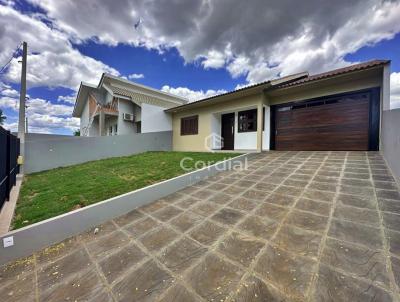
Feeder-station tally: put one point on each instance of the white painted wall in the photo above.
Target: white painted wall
(386, 87)
(154, 119)
(111, 121)
(84, 117)
(244, 140)
(125, 127)
(216, 129)
(138, 113)
(267, 129)
(94, 128)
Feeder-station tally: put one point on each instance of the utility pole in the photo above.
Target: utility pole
(22, 99)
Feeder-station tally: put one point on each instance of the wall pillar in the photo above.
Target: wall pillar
(102, 121)
(385, 92)
(259, 126)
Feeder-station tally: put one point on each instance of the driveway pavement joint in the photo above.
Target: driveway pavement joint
(294, 226)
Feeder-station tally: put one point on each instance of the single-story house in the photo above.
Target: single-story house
(117, 106)
(336, 110)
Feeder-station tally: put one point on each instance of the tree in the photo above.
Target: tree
(2, 117)
(77, 132)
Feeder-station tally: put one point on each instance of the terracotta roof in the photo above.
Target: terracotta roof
(139, 97)
(335, 72)
(285, 79)
(216, 96)
(291, 83)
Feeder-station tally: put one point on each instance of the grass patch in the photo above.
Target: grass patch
(50, 193)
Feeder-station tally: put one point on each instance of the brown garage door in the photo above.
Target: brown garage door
(340, 123)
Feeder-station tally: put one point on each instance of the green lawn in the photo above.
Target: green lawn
(54, 192)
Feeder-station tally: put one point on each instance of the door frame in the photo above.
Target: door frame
(374, 115)
(233, 134)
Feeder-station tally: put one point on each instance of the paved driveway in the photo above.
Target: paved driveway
(306, 226)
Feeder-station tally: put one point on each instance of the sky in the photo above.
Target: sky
(192, 48)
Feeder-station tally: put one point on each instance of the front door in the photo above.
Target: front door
(227, 131)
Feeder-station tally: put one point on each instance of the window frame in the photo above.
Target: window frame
(139, 127)
(247, 121)
(187, 128)
(263, 119)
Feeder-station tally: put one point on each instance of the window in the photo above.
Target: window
(190, 125)
(138, 127)
(247, 121)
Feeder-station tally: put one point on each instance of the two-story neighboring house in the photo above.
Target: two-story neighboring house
(117, 106)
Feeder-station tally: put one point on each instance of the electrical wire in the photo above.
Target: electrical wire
(2, 69)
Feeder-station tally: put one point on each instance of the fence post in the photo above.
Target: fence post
(18, 153)
(8, 165)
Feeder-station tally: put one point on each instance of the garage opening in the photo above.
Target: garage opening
(342, 122)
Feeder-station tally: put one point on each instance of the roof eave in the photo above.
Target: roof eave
(77, 112)
(221, 97)
(256, 88)
(289, 85)
(162, 93)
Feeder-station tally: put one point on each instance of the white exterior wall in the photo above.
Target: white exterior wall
(94, 128)
(267, 129)
(154, 119)
(111, 121)
(386, 87)
(138, 113)
(125, 127)
(216, 129)
(244, 140)
(84, 117)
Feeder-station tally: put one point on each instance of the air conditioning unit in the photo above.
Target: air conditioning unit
(129, 117)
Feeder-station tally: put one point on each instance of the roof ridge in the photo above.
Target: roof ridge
(337, 71)
(290, 83)
(361, 64)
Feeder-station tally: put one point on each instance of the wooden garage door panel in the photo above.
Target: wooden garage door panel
(337, 113)
(342, 125)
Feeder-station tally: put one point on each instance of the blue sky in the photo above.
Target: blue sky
(200, 53)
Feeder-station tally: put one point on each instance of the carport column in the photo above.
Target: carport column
(259, 126)
(385, 91)
(102, 120)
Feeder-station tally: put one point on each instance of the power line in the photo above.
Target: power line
(9, 61)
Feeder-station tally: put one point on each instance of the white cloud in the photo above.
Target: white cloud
(46, 124)
(69, 99)
(214, 59)
(52, 61)
(134, 76)
(7, 90)
(9, 102)
(250, 40)
(40, 106)
(49, 123)
(43, 116)
(37, 106)
(395, 90)
(192, 95)
(239, 66)
(13, 127)
(65, 69)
